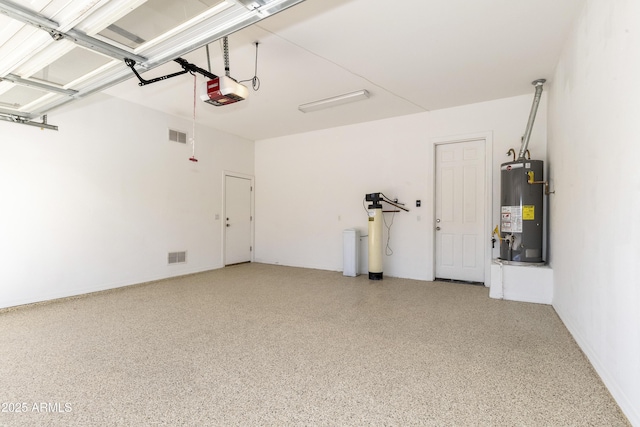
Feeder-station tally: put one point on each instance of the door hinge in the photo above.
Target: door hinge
(251, 188)
(250, 248)
(251, 218)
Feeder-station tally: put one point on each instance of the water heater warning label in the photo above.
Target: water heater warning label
(511, 219)
(528, 212)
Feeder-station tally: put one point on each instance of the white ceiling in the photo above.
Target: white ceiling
(412, 56)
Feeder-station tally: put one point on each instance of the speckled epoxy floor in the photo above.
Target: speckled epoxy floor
(269, 345)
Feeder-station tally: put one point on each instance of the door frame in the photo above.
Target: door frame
(223, 221)
(488, 189)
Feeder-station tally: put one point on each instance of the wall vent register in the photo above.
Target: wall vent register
(177, 257)
(177, 136)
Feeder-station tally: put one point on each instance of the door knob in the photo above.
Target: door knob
(437, 228)
(228, 225)
(437, 220)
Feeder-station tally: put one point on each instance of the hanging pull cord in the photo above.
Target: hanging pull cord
(255, 81)
(193, 130)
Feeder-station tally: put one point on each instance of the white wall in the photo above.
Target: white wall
(310, 186)
(99, 203)
(594, 133)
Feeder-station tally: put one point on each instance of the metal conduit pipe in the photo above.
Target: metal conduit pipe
(532, 117)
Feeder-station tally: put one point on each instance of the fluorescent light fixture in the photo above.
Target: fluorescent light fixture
(334, 101)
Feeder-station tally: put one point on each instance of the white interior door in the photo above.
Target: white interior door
(237, 200)
(460, 210)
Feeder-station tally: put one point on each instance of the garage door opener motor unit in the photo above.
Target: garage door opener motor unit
(224, 90)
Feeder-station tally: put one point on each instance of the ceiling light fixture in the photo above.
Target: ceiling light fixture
(334, 101)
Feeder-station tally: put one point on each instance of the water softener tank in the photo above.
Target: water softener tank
(521, 211)
(375, 240)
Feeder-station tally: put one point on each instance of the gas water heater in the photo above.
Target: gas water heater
(521, 208)
(521, 200)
